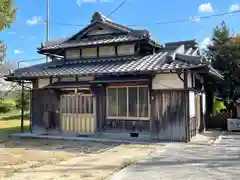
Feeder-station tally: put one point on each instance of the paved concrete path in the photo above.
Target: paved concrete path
(220, 161)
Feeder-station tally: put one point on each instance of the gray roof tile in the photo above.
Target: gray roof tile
(154, 62)
(127, 34)
(95, 41)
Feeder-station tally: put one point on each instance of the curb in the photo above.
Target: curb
(93, 139)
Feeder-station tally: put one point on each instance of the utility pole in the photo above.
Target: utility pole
(47, 24)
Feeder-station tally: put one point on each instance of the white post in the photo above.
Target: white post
(47, 24)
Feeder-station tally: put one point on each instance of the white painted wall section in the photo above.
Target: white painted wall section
(106, 51)
(192, 104)
(68, 79)
(203, 103)
(126, 49)
(72, 53)
(190, 80)
(167, 81)
(43, 82)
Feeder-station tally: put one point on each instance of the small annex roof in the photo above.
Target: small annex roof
(116, 33)
(168, 58)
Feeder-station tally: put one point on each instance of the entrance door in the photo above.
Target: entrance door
(78, 113)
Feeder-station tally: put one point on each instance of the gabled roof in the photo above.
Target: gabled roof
(98, 40)
(121, 34)
(168, 58)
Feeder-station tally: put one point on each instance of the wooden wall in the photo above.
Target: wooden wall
(169, 115)
(115, 125)
(45, 100)
(99, 92)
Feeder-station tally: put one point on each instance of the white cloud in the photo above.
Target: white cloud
(234, 7)
(34, 20)
(17, 51)
(195, 19)
(80, 2)
(106, 1)
(206, 7)
(206, 41)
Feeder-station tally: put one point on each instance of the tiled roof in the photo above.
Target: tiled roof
(127, 34)
(164, 60)
(94, 41)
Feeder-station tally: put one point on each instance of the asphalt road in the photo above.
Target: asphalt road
(220, 161)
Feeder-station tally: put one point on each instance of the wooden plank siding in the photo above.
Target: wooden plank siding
(169, 115)
(45, 100)
(105, 124)
(100, 94)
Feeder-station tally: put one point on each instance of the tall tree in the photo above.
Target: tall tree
(7, 13)
(7, 16)
(223, 53)
(2, 51)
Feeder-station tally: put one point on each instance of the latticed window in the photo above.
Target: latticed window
(128, 102)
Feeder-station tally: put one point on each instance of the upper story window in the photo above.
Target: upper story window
(127, 49)
(106, 51)
(89, 52)
(72, 53)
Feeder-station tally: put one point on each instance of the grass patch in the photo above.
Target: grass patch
(15, 129)
(11, 122)
(15, 117)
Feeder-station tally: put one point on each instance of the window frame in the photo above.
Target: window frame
(69, 50)
(129, 117)
(109, 55)
(86, 57)
(126, 54)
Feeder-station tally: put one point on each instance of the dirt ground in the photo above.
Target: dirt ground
(35, 159)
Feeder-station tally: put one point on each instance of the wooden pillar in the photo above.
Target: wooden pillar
(30, 110)
(202, 125)
(22, 108)
(187, 118)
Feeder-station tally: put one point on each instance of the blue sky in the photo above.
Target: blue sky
(26, 34)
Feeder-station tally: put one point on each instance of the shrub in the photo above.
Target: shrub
(25, 102)
(6, 106)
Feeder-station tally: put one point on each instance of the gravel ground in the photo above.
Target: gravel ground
(35, 159)
(220, 161)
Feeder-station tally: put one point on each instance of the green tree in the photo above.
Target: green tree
(7, 13)
(7, 16)
(2, 51)
(223, 53)
(26, 101)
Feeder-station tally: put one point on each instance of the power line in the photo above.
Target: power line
(195, 19)
(28, 60)
(118, 7)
